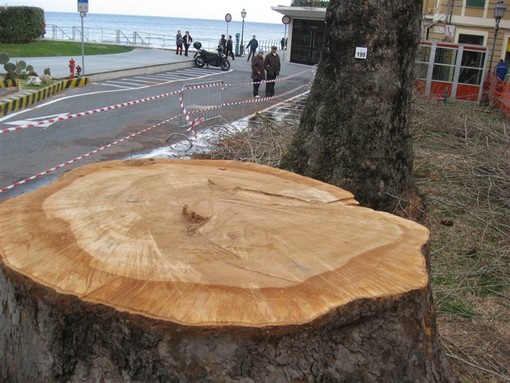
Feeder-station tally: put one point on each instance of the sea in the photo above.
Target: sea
(154, 31)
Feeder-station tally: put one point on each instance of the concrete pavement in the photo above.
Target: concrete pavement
(104, 67)
(140, 61)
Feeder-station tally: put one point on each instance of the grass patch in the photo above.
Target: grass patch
(51, 48)
(491, 284)
(456, 307)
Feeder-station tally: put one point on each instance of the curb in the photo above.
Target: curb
(8, 83)
(23, 99)
(139, 71)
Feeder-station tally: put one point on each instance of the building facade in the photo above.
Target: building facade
(467, 22)
(305, 30)
(463, 22)
(460, 43)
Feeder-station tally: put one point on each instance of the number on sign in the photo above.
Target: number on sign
(361, 53)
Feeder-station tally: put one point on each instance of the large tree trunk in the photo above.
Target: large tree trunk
(210, 271)
(354, 129)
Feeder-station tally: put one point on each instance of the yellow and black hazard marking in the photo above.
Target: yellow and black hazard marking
(22, 100)
(8, 83)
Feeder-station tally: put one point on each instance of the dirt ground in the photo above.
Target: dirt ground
(462, 166)
(462, 170)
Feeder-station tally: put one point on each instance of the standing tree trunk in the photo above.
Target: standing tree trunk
(210, 271)
(354, 129)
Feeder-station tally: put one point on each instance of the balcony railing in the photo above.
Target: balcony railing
(309, 3)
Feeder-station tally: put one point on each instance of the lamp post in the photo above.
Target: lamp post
(243, 15)
(499, 12)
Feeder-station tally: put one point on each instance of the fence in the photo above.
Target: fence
(206, 98)
(136, 39)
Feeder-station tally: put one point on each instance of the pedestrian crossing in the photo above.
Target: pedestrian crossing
(137, 82)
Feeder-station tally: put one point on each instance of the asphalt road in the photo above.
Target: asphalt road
(34, 153)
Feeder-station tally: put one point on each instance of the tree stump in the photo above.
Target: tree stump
(210, 271)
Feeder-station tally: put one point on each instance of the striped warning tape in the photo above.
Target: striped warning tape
(87, 113)
(134, 102)
(83, 156)
(186, 114)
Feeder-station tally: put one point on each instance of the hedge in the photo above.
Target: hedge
(21, 24)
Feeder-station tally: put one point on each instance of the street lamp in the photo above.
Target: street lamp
(243, 15)
(499, 12)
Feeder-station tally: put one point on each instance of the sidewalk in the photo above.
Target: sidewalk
(104, 67)
(140, 61)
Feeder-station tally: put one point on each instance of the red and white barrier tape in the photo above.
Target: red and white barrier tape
(186, 114)
(83, 156)
(87, 113)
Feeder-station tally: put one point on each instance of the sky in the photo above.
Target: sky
(257, 11)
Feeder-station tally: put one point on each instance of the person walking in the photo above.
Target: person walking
(501, 70)
(222, 44)
(178, 43)
(272, 66)
(230, 45)
(187, 40)
(252, 46)
(258, 73)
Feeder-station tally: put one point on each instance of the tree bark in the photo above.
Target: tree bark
(354, 129)
(210, 271)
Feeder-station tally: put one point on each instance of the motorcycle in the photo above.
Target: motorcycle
(203, 57)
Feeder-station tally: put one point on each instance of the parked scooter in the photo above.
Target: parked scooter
(203, 57)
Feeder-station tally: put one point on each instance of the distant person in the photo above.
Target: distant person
(186, 40)
(252, 46)
(501, 70)
(178, 43)
(272, 66)
(222, 44)
(282, 43)
(230, 45)
(258, 73)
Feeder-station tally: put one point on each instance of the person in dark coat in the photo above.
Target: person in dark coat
(252, 46)
(272, 66)
(222, 44)
(230, 45)
(178, 43)
(187, 40)
(258, 73)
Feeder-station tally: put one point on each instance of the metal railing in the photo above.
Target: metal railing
(57, 33)
(136, 39)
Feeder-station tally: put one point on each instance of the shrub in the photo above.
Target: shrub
(20, 69)
(21, 24)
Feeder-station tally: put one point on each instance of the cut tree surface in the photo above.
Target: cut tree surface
(209, 243)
